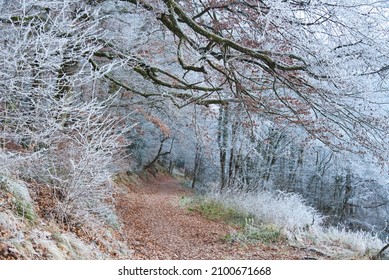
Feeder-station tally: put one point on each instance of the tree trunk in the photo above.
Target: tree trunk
(197, 163)
(223, 143)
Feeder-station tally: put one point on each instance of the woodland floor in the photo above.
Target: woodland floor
(157, 227)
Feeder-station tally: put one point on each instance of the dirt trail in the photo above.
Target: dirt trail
(156, 227)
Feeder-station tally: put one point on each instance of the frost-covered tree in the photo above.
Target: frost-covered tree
(316, 64)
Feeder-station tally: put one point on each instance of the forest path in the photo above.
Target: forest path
(157, 227)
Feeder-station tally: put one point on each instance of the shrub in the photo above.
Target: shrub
(284, 210)
(278, 214)
(55, 131)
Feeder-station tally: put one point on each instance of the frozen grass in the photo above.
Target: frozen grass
(22, 202)
(300, 223)
(41, 241)
(17, 188)
(8, 222)
(74, 247)
(253, 232)
(351, 243)
(285, 210)
(217, 211)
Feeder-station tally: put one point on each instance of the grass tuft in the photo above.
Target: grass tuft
(217, 211)
(25, 209)
(253, 233)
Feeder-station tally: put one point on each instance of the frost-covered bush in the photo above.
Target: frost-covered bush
(54, 130)
(301, 223)
(363, 243)
(79, 161)
(285, 210)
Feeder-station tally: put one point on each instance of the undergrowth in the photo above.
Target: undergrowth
(268, 217)
(25, 210)
(253, 232)
(217, 211)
